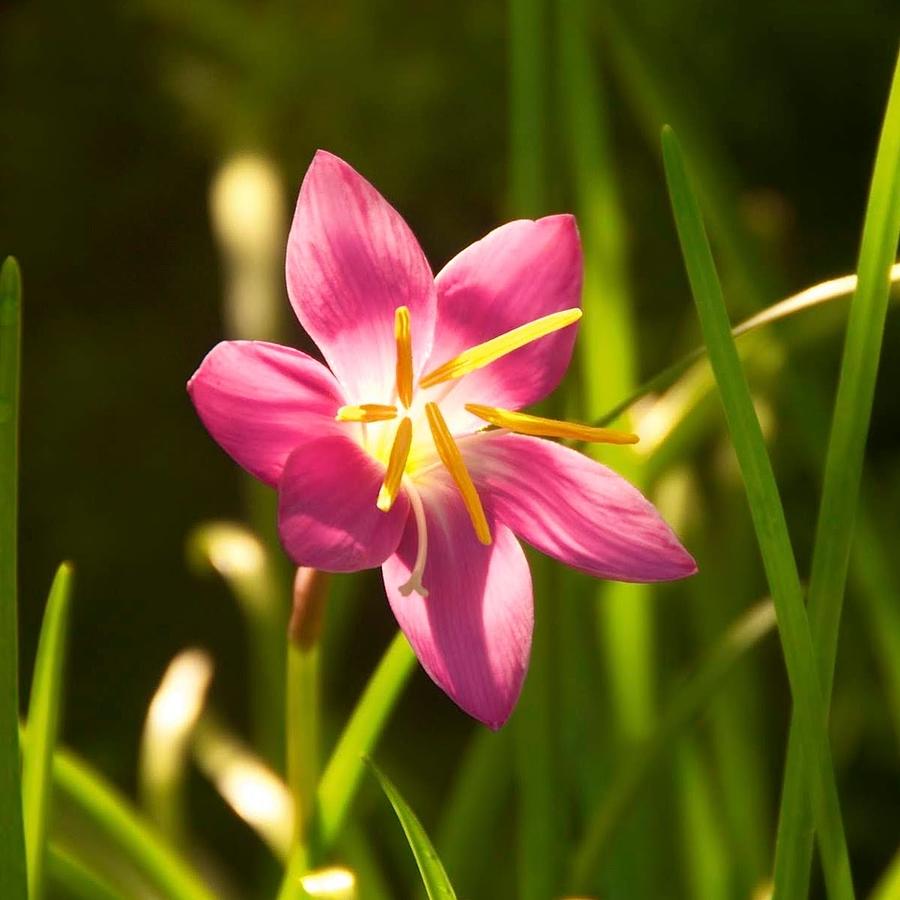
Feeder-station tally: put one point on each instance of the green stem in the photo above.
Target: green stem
(13, 878)
(345, 769)
(843, 474)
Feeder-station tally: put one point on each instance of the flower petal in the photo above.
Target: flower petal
(517, 273)
(351, 261)
(574, 509)
(472, 633)
(257, 400)
(327, 518)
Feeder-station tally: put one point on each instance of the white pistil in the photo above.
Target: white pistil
(415, 578)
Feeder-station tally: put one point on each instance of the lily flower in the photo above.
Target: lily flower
(409, 450)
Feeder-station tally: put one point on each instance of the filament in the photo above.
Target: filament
(414, 583)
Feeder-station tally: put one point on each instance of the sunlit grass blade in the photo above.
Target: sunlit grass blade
(888, 887)
(125, 829)
(769, 522)
(685, 703)
(437, 884)
(344, 770)
(808, 298)
(843, 470)
(242, 560)
(79, 880)
(165, 742)
(12, 840)
(43, 726)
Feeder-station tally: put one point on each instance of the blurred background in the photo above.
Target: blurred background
(118, 119)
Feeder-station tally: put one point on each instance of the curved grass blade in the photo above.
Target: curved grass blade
(437, 885)
(808, 298)
(80, 880)
(13, 880)
(769, 522)
(686, 703)
(132, 836)
(43, 727)
(343, 773)
(843, 473)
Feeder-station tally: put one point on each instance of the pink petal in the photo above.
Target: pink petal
(517, 273)
(351, 261)
(472, 633)
(327, 518)
(258, 400)
(574, 509)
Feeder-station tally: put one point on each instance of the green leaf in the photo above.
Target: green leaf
(685, 704)
(13, 879)
(43, 725)
(343, 773)
(769, 523)
(437, 885)
(843, 473)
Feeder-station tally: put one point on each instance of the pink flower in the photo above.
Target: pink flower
(383, 459)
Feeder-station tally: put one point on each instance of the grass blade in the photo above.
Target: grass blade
(437, 885)
(843, 470)
(43, 726)
(769, 523)
(79, 880)
(342, 775)
(131, 835)
(12, 840)
(686, 702)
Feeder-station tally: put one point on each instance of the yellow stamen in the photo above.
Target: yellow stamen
(396, 465)
(483, 354)
(404, 355)
(452, 459)
(367, 412)
(536, 425)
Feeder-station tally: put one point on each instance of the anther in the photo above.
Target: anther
(522, 423)
(367, 412)
(486, 353)
(452, 459)
(396, 465)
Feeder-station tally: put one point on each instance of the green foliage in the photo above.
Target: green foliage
(430, 866)
(12, 846)
(43, 727)
(769, 521)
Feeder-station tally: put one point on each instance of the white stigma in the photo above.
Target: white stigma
(415, 577)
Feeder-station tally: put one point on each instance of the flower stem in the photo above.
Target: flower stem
(302, 721)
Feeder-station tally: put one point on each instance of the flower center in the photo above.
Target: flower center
(394, 445)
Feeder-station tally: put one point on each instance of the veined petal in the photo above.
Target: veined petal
(260, 400)
(327, 516)
(351, 261)
(472, 633)
(518, 273)
(574, 509)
